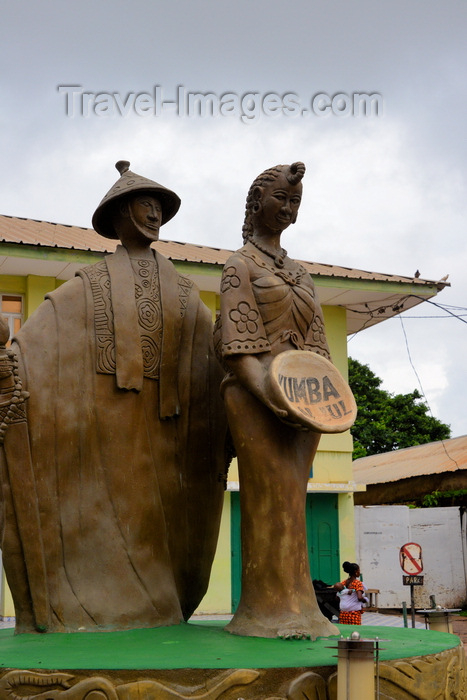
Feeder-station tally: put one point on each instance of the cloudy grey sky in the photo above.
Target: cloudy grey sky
(385, 193)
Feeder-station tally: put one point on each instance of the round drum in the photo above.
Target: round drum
(312, 391)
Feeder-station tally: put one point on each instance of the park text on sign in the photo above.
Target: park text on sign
(410, 558)
(412, 580)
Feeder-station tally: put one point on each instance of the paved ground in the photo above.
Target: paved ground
(369, 618)
(383, 620)
(459, 627)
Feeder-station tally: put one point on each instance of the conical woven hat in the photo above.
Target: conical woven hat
(127, 183)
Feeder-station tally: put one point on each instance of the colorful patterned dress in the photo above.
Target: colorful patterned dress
(352, 617)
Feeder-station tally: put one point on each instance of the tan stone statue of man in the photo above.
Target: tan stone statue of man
(111, 496)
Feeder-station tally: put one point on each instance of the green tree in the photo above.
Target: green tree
(387, 421)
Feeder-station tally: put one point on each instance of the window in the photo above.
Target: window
(12, 310)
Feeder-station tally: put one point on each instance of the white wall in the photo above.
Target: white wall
(380, 532)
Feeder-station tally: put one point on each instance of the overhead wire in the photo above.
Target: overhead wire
(422, 389)
(443, 306)
(381, 309)
(398, 308)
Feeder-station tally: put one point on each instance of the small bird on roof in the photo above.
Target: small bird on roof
(417, 273)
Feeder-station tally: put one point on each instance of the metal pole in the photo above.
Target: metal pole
(412, 604)
(356, 668)
(404, 613)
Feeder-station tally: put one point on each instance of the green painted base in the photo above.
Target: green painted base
(203, 661)
(200, 646)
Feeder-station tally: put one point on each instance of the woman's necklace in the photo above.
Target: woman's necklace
(279, 257)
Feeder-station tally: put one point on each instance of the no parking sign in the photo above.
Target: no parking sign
(410, 558)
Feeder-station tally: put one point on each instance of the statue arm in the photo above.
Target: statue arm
(245, 347)
(243, 331)
(252, 371)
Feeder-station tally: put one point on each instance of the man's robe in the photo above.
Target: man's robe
(112, 489)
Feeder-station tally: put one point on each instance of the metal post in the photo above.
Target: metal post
(412, 603)
(404, 613)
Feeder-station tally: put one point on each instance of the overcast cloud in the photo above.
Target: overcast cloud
(385, 193)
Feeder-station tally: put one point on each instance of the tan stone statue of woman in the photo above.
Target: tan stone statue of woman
(268, 306)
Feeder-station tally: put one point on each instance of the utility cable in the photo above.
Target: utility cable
(422, 389)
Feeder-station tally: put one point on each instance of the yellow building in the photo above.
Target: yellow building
(36, 257)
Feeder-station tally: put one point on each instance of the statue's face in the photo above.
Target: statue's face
(146, 214)
(280, 202)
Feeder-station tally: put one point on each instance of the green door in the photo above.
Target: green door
(322, 524)
(236, 554)
(322, 534)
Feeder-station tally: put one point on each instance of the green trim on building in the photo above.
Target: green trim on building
(34, 252)
(386, 286)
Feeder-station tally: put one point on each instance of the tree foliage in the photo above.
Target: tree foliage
(387, 421)
(457, 497)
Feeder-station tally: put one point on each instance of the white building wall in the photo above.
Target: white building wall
(380, 532)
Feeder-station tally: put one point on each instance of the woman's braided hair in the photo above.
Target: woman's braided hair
(294, 174)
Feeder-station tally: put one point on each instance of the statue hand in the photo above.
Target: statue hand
(251, 371)
(283, 415)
